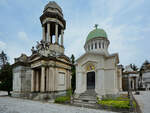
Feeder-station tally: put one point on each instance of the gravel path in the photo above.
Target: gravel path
(15, 105)
(144, 101)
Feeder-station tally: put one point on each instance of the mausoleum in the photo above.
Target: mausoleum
(97, 71)
(46, 73)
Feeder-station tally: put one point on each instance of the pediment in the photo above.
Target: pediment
(34, 58)
(64, 58)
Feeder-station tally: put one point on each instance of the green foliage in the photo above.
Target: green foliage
(72, 59)
(3, 59)
(5, 74)
(73, 71)
(119, 102)
(69, 92)
(62, 99)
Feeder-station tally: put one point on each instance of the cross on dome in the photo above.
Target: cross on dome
(96, 26)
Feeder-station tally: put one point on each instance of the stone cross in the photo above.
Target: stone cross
(96, 26)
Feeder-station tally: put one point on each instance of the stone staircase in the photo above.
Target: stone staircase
(86, 99)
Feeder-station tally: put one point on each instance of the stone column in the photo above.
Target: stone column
(37, 81)
(62, 37)
(66, 82)
(99, 82)
(133, 84)
(32, 81)
(43, 30)
(84, 81)
(120, 83)
(48, 33)
(50, 79)
(54, 78)
(56, 33)
(43, 79)
(47, 79)
(115, 80)
(79, 83)
(69, 79)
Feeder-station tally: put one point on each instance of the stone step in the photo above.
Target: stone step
(82, 104)
(85, 101)
(87, 98)
(81, 96)
(87, 94)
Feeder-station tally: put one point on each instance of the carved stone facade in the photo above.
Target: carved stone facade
(46, 73)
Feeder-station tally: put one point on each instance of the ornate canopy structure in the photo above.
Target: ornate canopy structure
(47, 70)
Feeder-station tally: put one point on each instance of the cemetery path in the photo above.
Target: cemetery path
(16, 105)
(144, 101)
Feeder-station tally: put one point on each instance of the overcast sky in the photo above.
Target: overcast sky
(127, 23)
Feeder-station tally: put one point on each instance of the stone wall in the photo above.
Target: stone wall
(21, 80)
(106, 76)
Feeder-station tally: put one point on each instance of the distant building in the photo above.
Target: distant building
(130, 79)
(145, 81)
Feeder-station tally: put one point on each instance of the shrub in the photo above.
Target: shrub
(62, 99)
(69, 92)
(116, 103)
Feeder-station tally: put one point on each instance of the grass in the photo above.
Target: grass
(64, 99)
(119, 102)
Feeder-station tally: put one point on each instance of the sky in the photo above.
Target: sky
(126, 22)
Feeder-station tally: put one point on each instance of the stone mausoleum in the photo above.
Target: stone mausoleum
(46, 73)
(97, 71)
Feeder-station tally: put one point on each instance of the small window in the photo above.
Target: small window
(103, 44)
(99, 44)
(95, 45)
(92, 46)
(89, 47)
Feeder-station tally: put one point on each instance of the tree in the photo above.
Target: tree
(134, 67)
(73, 70)
(5, 74)
(3, 59)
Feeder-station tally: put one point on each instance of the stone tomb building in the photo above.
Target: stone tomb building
(130, 79)
(145, 77)
(97, 71)
(46, 73)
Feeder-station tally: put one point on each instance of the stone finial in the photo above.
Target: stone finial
(22, 58)
(128, 69)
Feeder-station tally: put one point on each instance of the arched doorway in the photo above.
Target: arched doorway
(91, 80)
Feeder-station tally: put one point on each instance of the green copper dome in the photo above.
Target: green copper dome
(96, 33)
